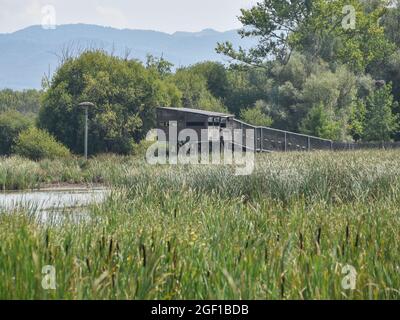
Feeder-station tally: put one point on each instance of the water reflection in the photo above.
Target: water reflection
(53, 204)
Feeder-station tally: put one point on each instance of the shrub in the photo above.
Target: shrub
(140, 149)
(256, 115)
(12, 123)
(37, 144)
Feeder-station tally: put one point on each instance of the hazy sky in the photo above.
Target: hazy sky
(162, 15)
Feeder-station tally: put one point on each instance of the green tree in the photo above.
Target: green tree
(294, 88)
(357, 120)
(256, 115)
(159, 65)
(195, 93)
(309, 26)
(319, 123)
(12, 123)
(380, 121)
(245, 87)
(391, 23)
(125, 95)
(216, 77)
(272, 22)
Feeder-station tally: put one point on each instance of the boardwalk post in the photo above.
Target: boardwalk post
(262, 140)
(309, 144)
(285, 141)
(243, 135)
(255, 140)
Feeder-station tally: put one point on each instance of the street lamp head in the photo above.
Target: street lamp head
(86, 104)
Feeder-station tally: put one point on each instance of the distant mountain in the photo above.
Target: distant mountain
(28, 54)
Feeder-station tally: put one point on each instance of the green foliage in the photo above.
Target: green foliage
(27, 101)
(125, 95)
(256, 115)
(318, 123)
(366, 46)
(246, 87)
(313, 27)
(140, 149)
(391, 23)
(195, 93)
(36, 144)
(159, 65)
(216, 77)
(389, 71)
(291, 90)
(313, 57)
(11, 124)
(380, 122)
(272, 21)
(357, 120)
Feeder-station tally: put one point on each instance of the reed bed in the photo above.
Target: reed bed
(181, 232)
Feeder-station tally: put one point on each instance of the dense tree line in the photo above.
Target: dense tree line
(314, 71)
(27, 101)
(333, 67)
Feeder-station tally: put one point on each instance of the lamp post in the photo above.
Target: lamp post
(86, 105)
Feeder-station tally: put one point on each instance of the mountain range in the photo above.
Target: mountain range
(29, 54)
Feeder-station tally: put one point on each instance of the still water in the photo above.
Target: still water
(53, 203)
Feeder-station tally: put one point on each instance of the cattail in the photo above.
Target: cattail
(47, 238)
(301, 241)
(357, 240)
(174, 259)
(88, 264)
(283, 285)
(102, 243)
(117, 246)
(143, 250)
(110, 248)
(319, 236)
(266, 254)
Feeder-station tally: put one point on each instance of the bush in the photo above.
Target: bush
(256, 115)
(12, 123)
(140, 149)
(37, 144)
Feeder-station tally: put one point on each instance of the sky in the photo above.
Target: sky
(160, 15)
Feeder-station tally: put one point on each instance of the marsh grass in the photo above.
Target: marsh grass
(17, 173)
(284, 232)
